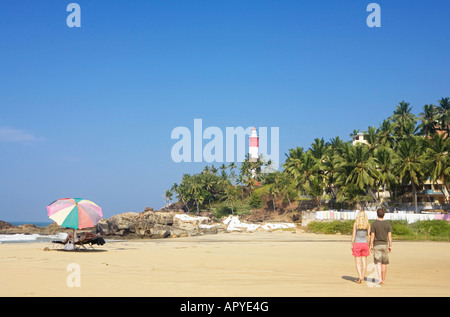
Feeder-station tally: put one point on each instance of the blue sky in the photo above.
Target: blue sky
(88, 112)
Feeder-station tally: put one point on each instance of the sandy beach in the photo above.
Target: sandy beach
(259, 264)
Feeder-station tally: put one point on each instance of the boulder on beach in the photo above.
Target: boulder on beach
(156, 224)
(5, 225)
(235, 224)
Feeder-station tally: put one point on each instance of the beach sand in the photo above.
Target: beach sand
(259, 264)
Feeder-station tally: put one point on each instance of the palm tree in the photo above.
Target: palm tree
(428, 120)
(408, 164)
(196, 192)
(213, 169)
(371, 137)
(285, 185)
(293, 163)
(443, 111)
(316, 190)
(357, 166)
(385, 133)
(335, 145)
(409, 129)
(168, 195)
(354, 133)
(436, 158)
(232, 166)
(208, 183)
(182, 191)
(353, 195)
(384, 158)
(273, 192)
(295, 153)
(318, 149)
(307, 170)
(401, 119)
(223, 169)
(229, 196)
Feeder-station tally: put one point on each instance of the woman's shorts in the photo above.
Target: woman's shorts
(361, 249)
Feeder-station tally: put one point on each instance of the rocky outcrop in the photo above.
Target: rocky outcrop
(7, 228)
(150, 224)
(147, 224)
(5, 225)
(170, 223)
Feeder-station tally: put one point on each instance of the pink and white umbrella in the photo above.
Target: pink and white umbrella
(75, 213)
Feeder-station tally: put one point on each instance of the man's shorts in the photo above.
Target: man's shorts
(361, 249)
(381, 254)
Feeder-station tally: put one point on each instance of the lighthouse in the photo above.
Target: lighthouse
(253, 146)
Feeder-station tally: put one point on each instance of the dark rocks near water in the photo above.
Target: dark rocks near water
(7, 228)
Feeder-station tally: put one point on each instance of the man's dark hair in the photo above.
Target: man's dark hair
(380, 213)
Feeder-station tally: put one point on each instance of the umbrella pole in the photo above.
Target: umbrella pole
(75, 240)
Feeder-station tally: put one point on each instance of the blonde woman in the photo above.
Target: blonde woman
(360, 243)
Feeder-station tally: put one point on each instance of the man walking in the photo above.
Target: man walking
(381, 244)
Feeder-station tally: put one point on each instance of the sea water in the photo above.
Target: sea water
(20, 237)
(27, 238)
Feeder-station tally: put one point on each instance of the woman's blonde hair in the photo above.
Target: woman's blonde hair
(361, 220)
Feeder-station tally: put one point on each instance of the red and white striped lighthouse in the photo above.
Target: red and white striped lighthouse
(253, 146)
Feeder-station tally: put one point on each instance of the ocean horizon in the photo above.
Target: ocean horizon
(41, 224)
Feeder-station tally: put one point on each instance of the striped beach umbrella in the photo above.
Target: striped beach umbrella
(75, 213)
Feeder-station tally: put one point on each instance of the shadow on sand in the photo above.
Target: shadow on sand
(350, 278)
(77, 250)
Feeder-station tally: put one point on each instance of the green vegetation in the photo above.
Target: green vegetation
(435, 230)
(332, 227)
(400, 154)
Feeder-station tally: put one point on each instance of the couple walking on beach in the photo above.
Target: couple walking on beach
(366, 239)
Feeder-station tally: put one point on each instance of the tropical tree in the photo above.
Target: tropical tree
(229, 196)
(231, 167)
(402, 119)
(443, 113)
(385, 134)
(168, 195)
(354, 133)
(285, 183)
(335, 146)
(428, 120)
(436, 158)
(384, 159)
(408, 164)
(357, 166)
(327, 167)
(274, 190)
(252, 171)
(303, 171)
(372, 138)
(352, 194)
(316, 190)
(318, 149)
